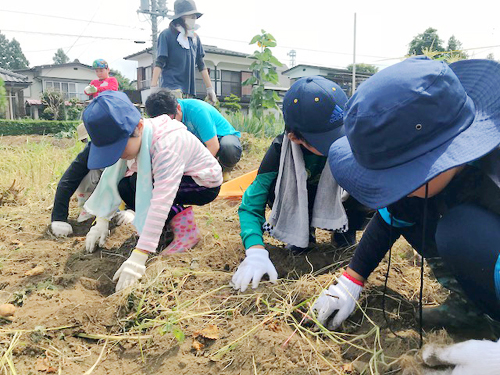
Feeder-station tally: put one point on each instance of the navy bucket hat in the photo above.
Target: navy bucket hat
(413, 121)
(110, 119)
(314, 106)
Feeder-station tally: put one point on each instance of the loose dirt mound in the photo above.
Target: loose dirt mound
(184, 318)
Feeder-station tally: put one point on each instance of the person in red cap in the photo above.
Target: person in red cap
(103, 82)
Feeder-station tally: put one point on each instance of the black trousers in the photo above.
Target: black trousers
(68, 184)
(189, 193)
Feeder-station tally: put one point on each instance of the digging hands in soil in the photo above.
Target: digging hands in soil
(340, 299)
(97, 234)
(61, 228)
(131, 270)
(468, 357)
(254, 266)
(124, 217)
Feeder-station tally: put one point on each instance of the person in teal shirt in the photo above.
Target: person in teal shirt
(204, 121)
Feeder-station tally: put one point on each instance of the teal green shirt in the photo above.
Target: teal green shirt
(204, 121)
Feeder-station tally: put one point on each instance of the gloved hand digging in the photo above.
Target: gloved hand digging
(98, 233)
(61, 228)
(340, 298)
(131, 270)
(124, 217)
(254, 266)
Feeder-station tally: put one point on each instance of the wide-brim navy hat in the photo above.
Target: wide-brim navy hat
(413, 121)
(110, 119)
(314, 106)
(184, 8)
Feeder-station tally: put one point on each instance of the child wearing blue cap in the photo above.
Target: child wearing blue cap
(173, 169)
(422, 148)
(204, 121)
(295, 181)
(103, 82)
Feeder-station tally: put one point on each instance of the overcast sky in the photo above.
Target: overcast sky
(320, 31)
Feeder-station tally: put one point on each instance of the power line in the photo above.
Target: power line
(69, 35)
(71, 19)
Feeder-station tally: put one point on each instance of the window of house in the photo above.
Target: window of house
(230, 83)
(69, 89)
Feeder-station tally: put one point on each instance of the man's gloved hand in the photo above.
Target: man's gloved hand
(61, 228)
(98, 233)
(254, 266)
(340, 298)
(124, 217)
(90, 89)
(131, 270)
(212, 98)
(468, 357)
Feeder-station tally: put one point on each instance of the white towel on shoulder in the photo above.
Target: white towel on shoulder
(289, 215)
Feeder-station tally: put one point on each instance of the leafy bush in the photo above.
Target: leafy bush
(232, 103)
(24, 127)
(267, 126)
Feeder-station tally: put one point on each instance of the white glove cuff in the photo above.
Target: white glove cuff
(350, 287)
(257, 253)
(210, 90)
(138, 257)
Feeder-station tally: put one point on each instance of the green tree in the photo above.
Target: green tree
(263, 71)
(54, 102)
(363, 68)
(232, 103)
(17, 59)
(123, 82)
(428, 40)
(60, 57)
(11, 54)
(3, 98)
(455, 49)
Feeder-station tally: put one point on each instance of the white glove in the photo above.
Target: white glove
(468, 357)
(124, 217)
(98, 233)
(131, 270)
(340, 297)
(211, 95)
(61, 228)
(104, 84)
(254, 266)
(90, 89)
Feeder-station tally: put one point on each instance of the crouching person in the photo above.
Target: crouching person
(295, 181)
(173, 169)
(204, 121)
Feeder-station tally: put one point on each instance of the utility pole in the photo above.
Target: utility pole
(155, 9)
(292, 55)
(353, 90)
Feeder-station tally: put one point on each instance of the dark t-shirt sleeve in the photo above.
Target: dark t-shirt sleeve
(200, 55)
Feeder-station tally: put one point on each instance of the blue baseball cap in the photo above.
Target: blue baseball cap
(413, 121)
(110, 119)
(314, 106)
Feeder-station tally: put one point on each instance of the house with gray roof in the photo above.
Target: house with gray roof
(15, 83)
